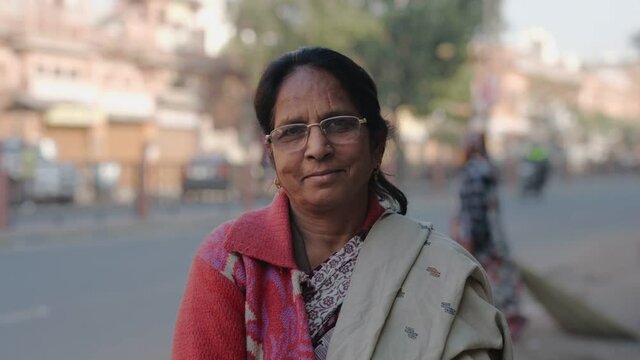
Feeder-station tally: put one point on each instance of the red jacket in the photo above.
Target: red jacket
(242, 299)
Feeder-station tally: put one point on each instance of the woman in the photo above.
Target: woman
(477, 227)
(331, 270)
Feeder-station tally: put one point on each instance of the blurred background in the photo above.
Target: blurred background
(127, 133)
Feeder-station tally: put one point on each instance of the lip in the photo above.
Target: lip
(321, 173)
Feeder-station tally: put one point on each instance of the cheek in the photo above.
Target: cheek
(285, 166)
(363, 161)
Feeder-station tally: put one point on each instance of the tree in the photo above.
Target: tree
(268, 28)
(412, 48)
(418, 61)
(423, 46)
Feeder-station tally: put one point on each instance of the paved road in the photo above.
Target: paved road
(104, 292)
(111, 292)
(577, 210)
(44, 215)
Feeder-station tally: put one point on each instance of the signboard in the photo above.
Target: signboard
(73, 115)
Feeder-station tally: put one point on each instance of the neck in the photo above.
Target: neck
(325, 233)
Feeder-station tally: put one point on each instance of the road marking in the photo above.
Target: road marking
(25, 315)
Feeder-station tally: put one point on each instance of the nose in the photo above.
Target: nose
(318, 146)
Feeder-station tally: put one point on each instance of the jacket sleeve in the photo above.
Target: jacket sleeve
(479, 331)
(210, 323)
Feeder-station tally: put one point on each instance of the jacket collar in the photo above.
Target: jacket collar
(265, 234)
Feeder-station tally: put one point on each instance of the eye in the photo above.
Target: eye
(291, 132)
(341, 124)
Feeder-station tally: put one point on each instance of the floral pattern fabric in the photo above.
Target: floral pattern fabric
(323, 292)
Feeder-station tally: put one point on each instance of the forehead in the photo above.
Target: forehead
(308, 93)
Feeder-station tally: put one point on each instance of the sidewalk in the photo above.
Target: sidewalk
(112, 227)
(603, 273)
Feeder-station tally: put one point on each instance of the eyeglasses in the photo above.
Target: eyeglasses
(341, 129)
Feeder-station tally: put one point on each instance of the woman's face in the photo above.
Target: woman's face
(321, 176)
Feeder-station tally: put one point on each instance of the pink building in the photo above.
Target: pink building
(105, 90)
(522, 92)
(613, 91)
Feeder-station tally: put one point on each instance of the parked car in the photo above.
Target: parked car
(36, 175)
(53, 181)
(206, 172)
(13, 164)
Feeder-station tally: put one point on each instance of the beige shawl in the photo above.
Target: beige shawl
(415, 294)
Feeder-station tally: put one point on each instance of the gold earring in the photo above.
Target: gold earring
(276, 183)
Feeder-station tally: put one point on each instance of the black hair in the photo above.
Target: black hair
(362, 92)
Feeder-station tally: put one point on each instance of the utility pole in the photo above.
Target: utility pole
(486, 85)
(491, 21)
(4, 193)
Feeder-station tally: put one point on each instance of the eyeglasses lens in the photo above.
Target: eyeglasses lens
(338, 130)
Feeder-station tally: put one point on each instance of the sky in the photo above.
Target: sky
(592, 29)
(100, 6)
(102, 3)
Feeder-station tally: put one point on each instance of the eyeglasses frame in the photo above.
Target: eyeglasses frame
(361, 121)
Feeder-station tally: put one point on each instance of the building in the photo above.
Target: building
(533, 93)
(612, 90)
(133, 84)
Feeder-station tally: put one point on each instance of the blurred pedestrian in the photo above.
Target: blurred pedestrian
(332, 269)
(477, 226)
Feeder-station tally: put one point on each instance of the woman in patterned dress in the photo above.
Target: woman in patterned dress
(477, 227)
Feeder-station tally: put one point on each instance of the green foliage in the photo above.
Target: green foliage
(448, 134)
(405, 59)
(627, 131)
(268, 28)
(413, 48)
(452, 94)
(597, 122)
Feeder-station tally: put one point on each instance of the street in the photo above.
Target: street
(112, 292)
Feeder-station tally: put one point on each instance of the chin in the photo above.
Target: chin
(324, 202)
(329, 199)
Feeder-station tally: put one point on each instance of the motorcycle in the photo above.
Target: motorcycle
(533, 177)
